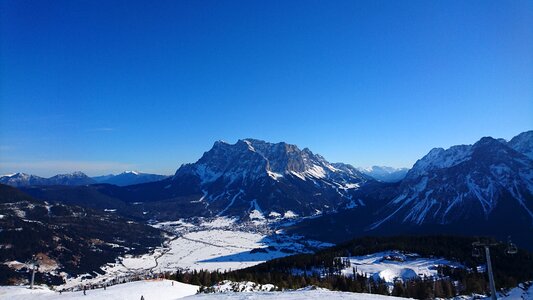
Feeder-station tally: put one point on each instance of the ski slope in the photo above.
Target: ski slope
(292, 295)
(150, 290)
(165, 290)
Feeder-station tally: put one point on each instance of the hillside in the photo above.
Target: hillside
(68, 238)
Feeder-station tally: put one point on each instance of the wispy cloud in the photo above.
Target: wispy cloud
(52, 167)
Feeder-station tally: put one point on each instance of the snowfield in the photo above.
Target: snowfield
(393, 265)
(164, 290)
(170, 290)
(292, 295)
(213, 244)
(209, 250)
(228, 286)
(160, 290)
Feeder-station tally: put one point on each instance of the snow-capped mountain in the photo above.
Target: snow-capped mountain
(128, 178)
(523, 143)
(75, 178)
(385, 174)
(480, 189)
(22, 179)
(486, 180)
(270, 178)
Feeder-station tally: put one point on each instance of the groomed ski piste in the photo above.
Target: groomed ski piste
(158, 289)
(170, 290)
(164, 290)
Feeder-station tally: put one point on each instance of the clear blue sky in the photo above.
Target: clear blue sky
(105, 86)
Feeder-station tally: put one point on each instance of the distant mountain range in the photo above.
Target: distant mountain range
(484, 188)
(480, 189)
(23, 179)
(385, 174)
(250, 179)
(128, 178)
(79, 178)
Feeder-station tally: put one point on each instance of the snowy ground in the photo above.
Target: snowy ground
(150, 290)
(523, 291)
(292, 295)
(227, 286)
(214, 244)
(165, 290)
(391, 265)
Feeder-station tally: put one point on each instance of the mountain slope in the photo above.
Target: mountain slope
(453, 185)
(523, 143)
(22, 179)
(69, 238)
(480, 189)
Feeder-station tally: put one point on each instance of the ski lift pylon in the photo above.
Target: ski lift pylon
(476, 252)
(511, 248)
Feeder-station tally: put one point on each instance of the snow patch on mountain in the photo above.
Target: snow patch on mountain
(438, 158)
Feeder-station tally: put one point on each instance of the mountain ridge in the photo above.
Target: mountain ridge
(23, 179)
(129, 178)
(483, 188)
(232, 176)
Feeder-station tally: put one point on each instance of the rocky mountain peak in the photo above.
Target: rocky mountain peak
(523, 143)
(465, 180)
(257, 158)
(270, 175)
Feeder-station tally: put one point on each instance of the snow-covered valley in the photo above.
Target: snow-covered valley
(220, 243)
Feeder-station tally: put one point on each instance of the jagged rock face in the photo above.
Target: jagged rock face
(256, 159)
(464, 183)
(271, 178)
